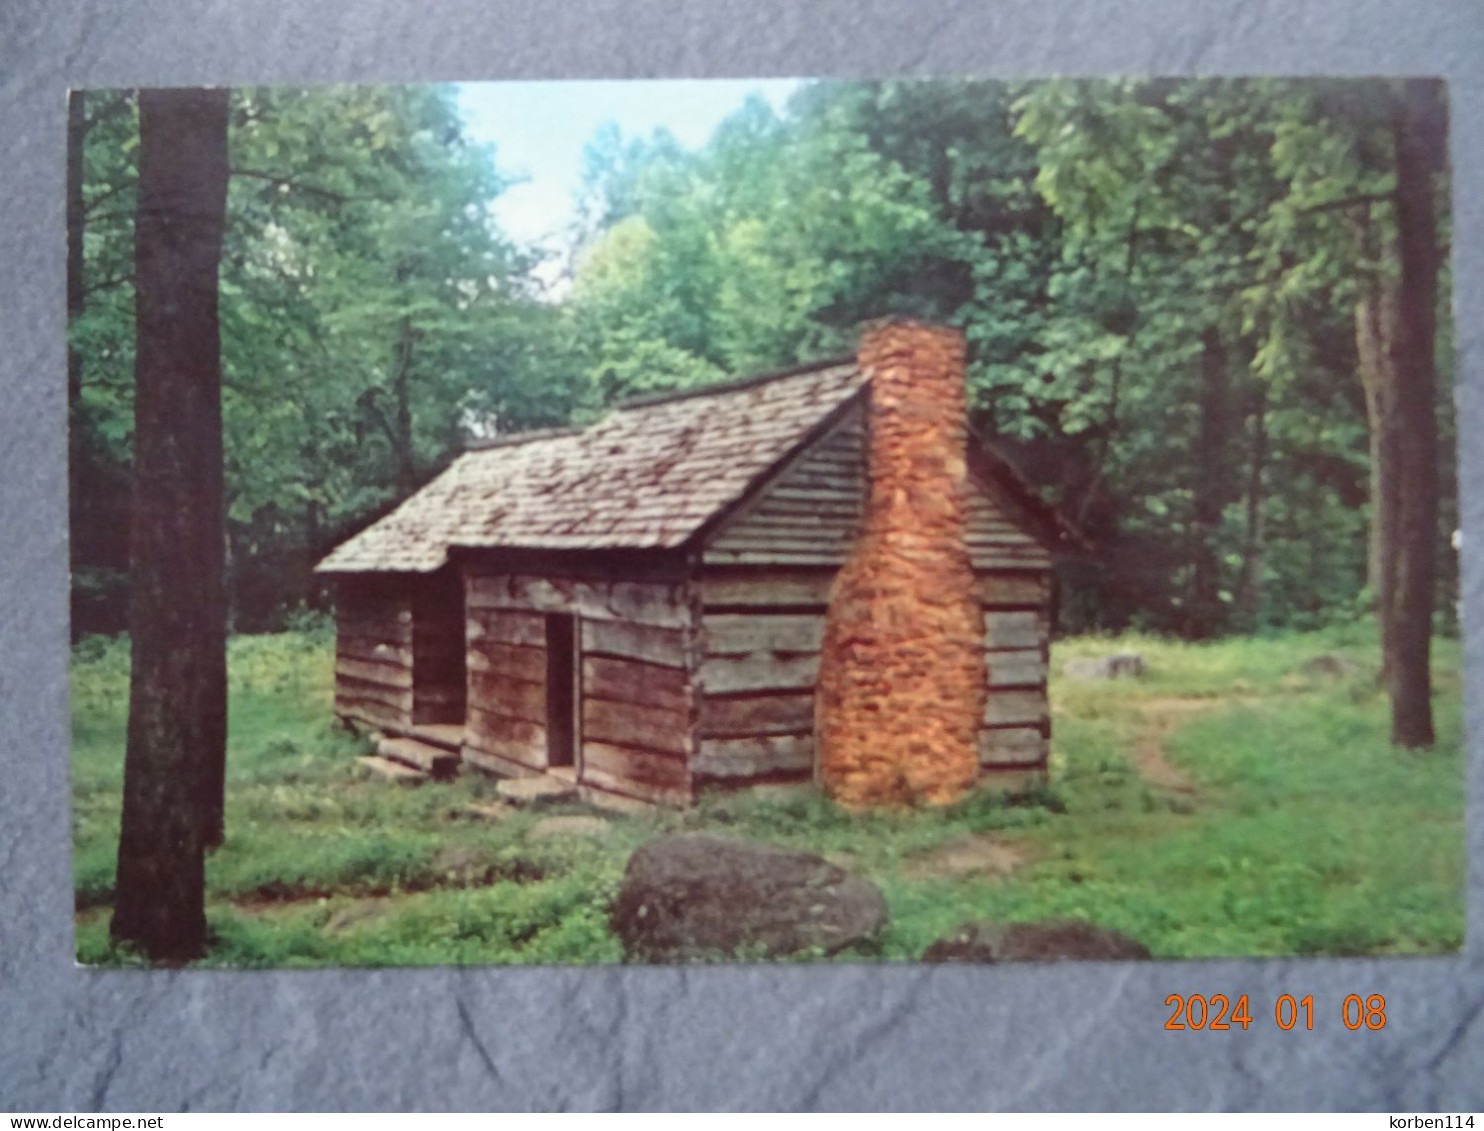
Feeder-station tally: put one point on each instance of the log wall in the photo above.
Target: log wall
(761, 631)
(438, 678)
(1017, 633)
(636, 654)
(373, 652)
(811, 512)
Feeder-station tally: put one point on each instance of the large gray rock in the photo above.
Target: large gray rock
(690, 897)
(1045, 941)
(1104, 667)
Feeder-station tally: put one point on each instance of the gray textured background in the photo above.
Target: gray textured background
(795, 1038)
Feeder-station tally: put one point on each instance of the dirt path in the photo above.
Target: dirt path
(1158, 719)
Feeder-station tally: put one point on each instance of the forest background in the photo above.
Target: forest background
(1177, 295)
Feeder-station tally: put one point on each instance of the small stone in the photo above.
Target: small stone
(1118, 665)
(535, 791)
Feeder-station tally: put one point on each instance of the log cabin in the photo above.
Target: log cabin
(639, 607)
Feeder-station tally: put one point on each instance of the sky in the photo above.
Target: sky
(539, 130)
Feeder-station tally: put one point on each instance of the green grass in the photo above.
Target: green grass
(1284, 823)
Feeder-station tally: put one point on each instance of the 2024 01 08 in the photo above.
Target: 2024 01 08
(1218, 1011)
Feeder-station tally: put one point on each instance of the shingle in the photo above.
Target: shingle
(648, 475)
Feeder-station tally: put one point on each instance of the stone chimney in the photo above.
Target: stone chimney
(901, 690)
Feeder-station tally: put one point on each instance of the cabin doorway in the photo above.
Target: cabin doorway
(563, 693)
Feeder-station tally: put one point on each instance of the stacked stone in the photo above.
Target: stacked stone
(901, 690)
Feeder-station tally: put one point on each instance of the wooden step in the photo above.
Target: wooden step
(450, 736)
(535, 791)
(433, 760)
(392, 771)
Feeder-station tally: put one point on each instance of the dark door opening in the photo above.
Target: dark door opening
(561, 689)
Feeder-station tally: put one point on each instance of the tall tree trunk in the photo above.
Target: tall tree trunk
(1249, 589)
(1375, 328)
(1203, 615)
(402, 389)
(175, 754)
(1420, 136)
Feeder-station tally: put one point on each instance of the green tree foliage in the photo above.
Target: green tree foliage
(1159, 282)
(369, 304)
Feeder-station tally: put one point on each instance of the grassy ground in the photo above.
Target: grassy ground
(1228, 803)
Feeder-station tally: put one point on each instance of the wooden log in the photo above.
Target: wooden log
(767, 588)
(378, 629)
(760, 540)
(631, 724)
(372, 671)
(1015, 708)
(756, 715)
(375, 651)
(753, 757)
(1012, 746)
(1011, 589)
(758, 671)
(352, 688)
(371, 712)
(504, 626)
(633, 681)
(654, 603)
(734, 633)
(618, 766)
(772, 558)
(1013, 630)
(512, 698)
(664, 646)
(490, 762)
(1023, 668)
(520, 741)
(514, 661)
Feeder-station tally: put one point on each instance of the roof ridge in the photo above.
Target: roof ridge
(644, 400)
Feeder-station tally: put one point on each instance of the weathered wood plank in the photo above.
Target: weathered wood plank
(373, 671)
(512, 698)
(354, 688)
(732, 633)
(763, 588)
(494, 762)
(782, 542)
(516, 661)
(632, 724)
(1013, 630)
(626, 767)
(665, 646)
(1012, 746)
(758, 671)
(375, 651)
(776, 558)
(1014, 708)
(521, 741)
(756, 715)
(653, 603)
(1011, 589)
(371, 711)
(635, 682)
(1009, 557)
(503, 626)
(1023, 668)
(752, 757)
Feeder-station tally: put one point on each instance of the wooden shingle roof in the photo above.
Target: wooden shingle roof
(649, 475)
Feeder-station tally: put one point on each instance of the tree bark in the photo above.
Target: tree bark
(175, 755)
(1375, 328)
(1203, 616)
(1420, 133)
(402, 388)
(1249, 589)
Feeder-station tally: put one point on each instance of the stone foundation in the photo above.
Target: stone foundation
(901, 690)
